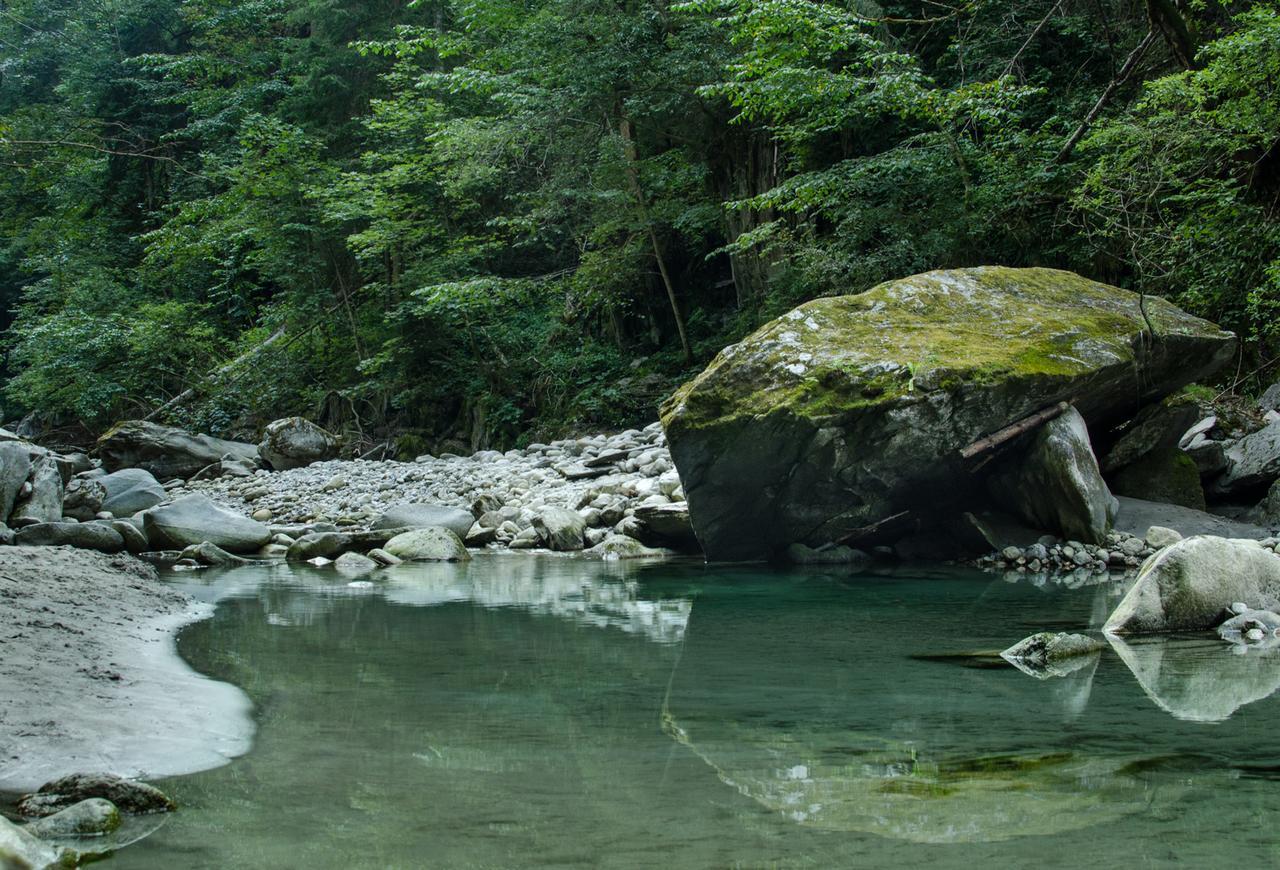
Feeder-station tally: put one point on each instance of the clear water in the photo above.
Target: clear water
(544, 712)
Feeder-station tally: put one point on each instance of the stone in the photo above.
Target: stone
(421, 516)
(428, 545)
(560, 528)
(1156, 427)
(1159, 537)
(382, 557)
(131, 490)
(1210, 457)
(135, 540)
(1270, 399)
(1048, 647)
(15, 468)
(94, 817)
(82, 500)
(263, 515)
(328, 545)
(296, 442)
(44, 505)
(667, 525)
(1054, 483)
(801, 554)
(130, 796)
(1187, 586)
(84, 536)
(166, 452)
(22, 850)
(354, 564)
(209, 554)
(194, 519)
(1245, 622)
(850, 410)
(1165, 474)
(623, 547)
(1254, 463)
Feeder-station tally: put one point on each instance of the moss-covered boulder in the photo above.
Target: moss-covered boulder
(850, 410)
(1166, 475)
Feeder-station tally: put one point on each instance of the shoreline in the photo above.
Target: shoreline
(92, 676)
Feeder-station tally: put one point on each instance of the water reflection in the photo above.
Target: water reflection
(1200, 680)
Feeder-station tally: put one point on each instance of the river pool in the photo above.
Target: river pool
(524, 711)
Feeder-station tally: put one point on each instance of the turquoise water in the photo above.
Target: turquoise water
(544, 712)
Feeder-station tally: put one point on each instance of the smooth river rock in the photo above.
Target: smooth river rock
(164, 451)
(296, 442)
(83, 536)
(131, 490)
(195, 519)
(850, 410)
(421, 516)
(428, 545)
(1188, 586)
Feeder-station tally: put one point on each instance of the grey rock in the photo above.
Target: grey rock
(1210, 457)
(1165, 475)
(328, 545)
(83, 498)
(44, 505)
(1267, 511)
(850, 410)
(1241, 627)
(1047, 647)
(421, 516)
(1158, 537)
(93, 817)
(560, 528)
(1254, 463)
(623, 547)
(130, 796)
(15, 468)
(135, 539)
(295, 442)
(1157, 427)
(194, 519)
(1187, 586)
(131, 490)
(354, 564)
(382, 557)
(84, 536)
(22, 850)
(667, 525)
(209, 554)
(1200, 429)
(166, 452)
(1270, 399)
(1055, 483)
(428, 545)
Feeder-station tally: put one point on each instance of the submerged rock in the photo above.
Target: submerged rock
(1049, 654)
(1186, 587)
(166, 452)
(94, 817)
(850, 410)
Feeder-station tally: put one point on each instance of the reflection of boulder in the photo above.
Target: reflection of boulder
(1200, 680)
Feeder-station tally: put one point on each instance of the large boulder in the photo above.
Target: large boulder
(421, 516)
(850, 410)
(164, 451)
(295, 442)
(428, 545)
(83, 498)
(195, 519)
(1188, 586)
(1054, 483)
(130, 490)
(667, 525)
(44, 505)
(22, 850)
(1156, 427)
(1253, 463)
(15, 468)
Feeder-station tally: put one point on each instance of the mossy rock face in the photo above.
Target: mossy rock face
(851, 409)
(1169, 476)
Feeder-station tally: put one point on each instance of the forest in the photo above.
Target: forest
(456, 225)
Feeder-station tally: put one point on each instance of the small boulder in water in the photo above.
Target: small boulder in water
(128, 795)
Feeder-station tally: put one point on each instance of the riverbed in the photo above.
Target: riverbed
(546, 711)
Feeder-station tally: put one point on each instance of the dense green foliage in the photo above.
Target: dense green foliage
(479, 221)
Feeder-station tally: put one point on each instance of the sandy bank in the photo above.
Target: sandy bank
(90, 679)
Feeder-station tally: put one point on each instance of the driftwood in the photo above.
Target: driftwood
(1013, 430)
(872, 530)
